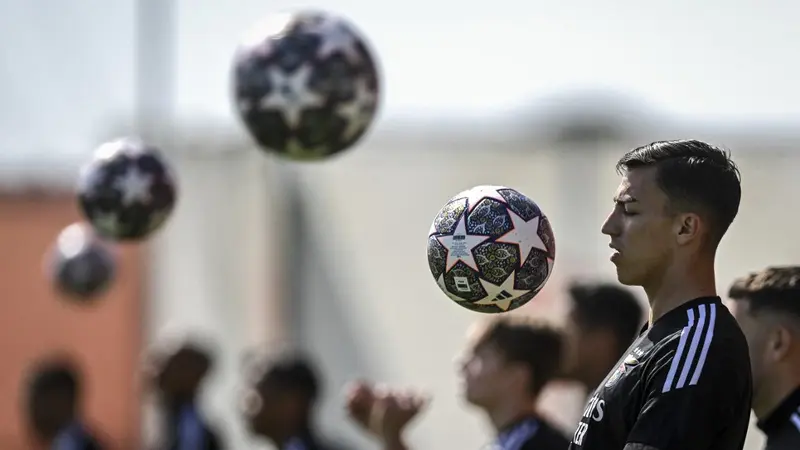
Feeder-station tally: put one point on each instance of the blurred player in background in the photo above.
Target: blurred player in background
(280, 400)
(603, 321)
(507, 364)
(685, 383)
(767, 306)
(177, 373)
(53, 406)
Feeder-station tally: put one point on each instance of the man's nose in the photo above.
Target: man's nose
(611, 225)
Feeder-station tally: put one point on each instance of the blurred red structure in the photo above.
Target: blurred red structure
(105, 337)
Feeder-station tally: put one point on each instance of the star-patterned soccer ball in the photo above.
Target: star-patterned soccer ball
(305, 85)
(81, 266)
(491, 249)
(127, 191)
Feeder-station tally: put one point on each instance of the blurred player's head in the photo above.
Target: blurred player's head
(509, 359)
(603, 320)
(178, 371)
(53, 394)
(767, 307)
(675, 202)
(280, 396)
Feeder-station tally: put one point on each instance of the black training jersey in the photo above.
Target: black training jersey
(530, 433)
(684, 384)
(782, 427)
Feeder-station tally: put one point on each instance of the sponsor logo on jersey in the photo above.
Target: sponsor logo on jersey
(631, 360)
(594, 412)
(612, 380)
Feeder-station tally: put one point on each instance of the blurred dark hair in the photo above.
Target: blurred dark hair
(774, 288)
(287, 370)
(534, 344)
(56, 375)
(695, 176)
(607, 306)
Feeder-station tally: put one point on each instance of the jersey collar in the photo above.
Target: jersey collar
(782, 413)
(514, 435)
(676, 317)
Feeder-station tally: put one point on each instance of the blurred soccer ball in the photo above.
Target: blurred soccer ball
(491, 249)
(127, 191)
(81, 266)
(305, 85)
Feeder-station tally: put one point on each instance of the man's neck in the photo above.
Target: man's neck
(508, 412)
(771, 394)
(679, 284)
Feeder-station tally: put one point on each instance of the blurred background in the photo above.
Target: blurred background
(539, 95)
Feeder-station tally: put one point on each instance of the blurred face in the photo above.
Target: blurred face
(181, 376)
(641, 230)
(485, 375)
(50, 412)
(268, 410)
(591, 353)
(579, 355)
(757, 331)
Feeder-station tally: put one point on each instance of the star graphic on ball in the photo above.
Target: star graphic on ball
(524, 235)
(459, 245)
(501, 295)
(358, 111)
(291, 94)
(334, 37)
(477, 194)
(134, 186)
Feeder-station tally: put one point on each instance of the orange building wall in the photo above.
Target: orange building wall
(104, 337)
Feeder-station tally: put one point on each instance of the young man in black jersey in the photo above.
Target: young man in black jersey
(767, 306)
(506, 365)
(685, 383)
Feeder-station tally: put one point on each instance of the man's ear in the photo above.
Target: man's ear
(688, 227)
(780, 342)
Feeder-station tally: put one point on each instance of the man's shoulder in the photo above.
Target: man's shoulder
(546, 437)
(787, 438)
(709, 348)
(711, 334)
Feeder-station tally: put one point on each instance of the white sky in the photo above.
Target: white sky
(67, 73)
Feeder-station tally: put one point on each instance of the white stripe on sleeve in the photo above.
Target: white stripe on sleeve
(709, 336)
(676, 358)
(692, 349)
(697, 333)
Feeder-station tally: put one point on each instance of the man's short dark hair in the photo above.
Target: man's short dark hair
(528, 342)
(695, 176)
(606, 306)
(289, 371)
(775, 289)
(57, 375)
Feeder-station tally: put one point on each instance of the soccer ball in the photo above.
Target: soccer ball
(80, 265)
(127, 191)
(491, 249)
(305, 85)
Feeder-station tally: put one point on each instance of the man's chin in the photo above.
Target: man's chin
(471, 399)
(626, 278)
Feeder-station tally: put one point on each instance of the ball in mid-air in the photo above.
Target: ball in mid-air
(305, 85)
(81, 265)
(491, 249)
(127, 191)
